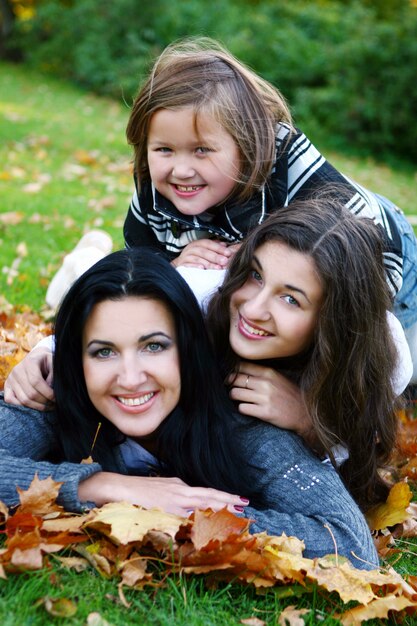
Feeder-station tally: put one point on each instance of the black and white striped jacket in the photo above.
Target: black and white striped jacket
(298, 171)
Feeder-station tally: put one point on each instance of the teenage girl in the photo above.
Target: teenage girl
(305, 296)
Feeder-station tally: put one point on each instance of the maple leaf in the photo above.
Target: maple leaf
(40, 497)
(133, 571)
(124, 522)
(393, 511)
(291, 616)
(378, 608)
(211, 528)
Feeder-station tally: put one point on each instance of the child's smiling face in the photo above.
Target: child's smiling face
(195, 166)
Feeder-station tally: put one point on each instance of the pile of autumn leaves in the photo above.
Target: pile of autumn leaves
(124, 541)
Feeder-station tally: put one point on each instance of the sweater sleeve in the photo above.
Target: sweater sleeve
(302, 497)
(27, 439)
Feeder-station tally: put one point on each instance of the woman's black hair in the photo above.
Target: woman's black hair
(194, 442)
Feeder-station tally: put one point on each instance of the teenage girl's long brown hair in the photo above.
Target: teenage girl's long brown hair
(346, 382)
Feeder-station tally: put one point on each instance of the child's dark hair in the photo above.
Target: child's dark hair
(199, 73)
(346, 382)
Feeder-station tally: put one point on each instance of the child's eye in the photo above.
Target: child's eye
(291, 300)
(163, 149)
(202, 150)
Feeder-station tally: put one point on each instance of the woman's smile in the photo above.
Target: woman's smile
(251, 331)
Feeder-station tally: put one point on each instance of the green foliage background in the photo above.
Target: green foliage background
(348, 68)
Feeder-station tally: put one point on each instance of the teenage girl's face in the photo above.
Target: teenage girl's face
(195, 168)
(275, 312)
(131, 363)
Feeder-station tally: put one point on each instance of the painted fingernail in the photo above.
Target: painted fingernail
(245, 500)
(239, 508)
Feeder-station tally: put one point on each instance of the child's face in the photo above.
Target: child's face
(193, 171)
(275, 312)
(131, 363)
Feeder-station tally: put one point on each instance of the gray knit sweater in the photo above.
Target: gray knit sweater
(298, 495)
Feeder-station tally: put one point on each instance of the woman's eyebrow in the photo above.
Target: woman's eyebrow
(156, 333)
(298, 290)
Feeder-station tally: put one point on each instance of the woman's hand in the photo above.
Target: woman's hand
(30, 381)
(206, 254)
(170, 494)
(264, 393)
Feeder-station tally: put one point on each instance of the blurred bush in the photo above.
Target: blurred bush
(348, 68)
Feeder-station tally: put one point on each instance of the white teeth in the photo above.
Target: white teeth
(185, 189)
(135, 401)
(253, 331)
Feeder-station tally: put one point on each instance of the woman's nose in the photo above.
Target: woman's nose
(257, 307)
(131, 375)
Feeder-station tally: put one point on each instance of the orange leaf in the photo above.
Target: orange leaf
(40, 498)
(210, 528)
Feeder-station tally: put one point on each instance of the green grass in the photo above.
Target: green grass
(47, 130)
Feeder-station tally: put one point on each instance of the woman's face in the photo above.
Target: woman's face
(131, 363)
(274, 313)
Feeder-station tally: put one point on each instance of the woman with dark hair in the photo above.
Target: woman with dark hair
(344, 366)
(135, 374)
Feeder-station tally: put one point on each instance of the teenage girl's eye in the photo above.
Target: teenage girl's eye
(291, 300)
(163, 150)
(255, 275)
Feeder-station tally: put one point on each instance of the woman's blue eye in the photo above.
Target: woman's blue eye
(291, 300)
(155, 347)
(103, 353)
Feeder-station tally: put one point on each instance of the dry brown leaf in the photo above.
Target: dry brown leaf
(124, 522)
(70, 524)
(134, 570)
(291, 616)
(95, 619)
(59, 607)
(211, 528)
(378, 608)
(393, 511)
(252, 621)
(40, 498)
(73, 562)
